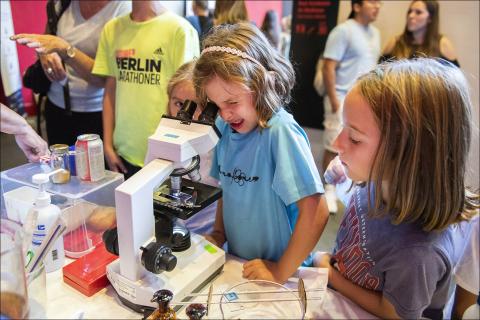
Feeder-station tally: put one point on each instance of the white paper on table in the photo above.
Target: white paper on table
(315, 281)
(314, 278)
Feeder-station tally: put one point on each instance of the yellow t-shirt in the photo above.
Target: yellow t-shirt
(142, 56)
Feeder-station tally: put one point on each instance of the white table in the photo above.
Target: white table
(64, 302)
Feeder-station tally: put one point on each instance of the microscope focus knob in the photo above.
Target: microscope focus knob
(157, 258)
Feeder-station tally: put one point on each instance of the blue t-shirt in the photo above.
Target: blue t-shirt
(356, 48)
(412, 268)
(262, 174)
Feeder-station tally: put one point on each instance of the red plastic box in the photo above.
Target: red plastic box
(88, 274)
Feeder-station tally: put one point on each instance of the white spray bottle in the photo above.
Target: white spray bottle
(48, 214)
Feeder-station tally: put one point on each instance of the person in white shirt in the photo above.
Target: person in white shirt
(352, 48)
(465, 305)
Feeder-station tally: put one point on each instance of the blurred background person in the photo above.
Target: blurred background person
(138, 54)
(229, 11)
(352, 49)
(74, 46)
(271, 28)
(421, 36)
(32, 145)
(286, 35)
(202, 20)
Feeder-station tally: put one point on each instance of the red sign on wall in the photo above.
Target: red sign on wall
(311, 23)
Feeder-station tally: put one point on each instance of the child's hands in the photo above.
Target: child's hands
(335, 173)
(113, 160)
(321, 259)
(259, 269)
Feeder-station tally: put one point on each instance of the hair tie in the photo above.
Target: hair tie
(231, 51)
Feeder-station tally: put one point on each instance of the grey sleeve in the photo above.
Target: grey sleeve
(411, 279)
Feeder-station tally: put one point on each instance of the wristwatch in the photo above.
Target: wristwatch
(71, 51)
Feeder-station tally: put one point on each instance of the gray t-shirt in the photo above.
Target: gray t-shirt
(356, 48)
(84, 34)
(412, 268)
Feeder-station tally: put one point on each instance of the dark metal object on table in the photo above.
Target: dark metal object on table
(164, 311)
(196, 311)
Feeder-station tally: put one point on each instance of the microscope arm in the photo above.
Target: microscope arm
(135, 220)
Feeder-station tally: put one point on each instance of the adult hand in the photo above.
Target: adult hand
(32, 145)
(52, 66)
(335, 172)
(113, 160)
(259, 269)
(43, 43)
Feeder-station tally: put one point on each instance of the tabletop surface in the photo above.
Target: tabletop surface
(64, 302)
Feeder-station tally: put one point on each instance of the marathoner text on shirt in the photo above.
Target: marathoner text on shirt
(140, 71)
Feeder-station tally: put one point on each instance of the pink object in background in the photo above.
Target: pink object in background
(28, 17)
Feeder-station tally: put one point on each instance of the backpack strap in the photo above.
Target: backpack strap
(52, 15)
(52, 23)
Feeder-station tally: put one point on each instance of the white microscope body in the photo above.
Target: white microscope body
(172, 146)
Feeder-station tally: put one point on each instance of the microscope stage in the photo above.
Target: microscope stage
(196, 267)
(202, 195)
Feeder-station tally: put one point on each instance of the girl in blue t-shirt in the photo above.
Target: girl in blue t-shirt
(405, 140)
(272, 212)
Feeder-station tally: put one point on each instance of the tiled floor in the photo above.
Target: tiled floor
(11, 156)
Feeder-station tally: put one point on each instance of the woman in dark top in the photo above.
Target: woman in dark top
(421, 36)
(271, 28)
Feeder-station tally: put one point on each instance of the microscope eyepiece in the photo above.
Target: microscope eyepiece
(187, 111)
(209, 113)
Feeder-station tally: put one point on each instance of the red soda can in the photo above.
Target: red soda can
(89, 160)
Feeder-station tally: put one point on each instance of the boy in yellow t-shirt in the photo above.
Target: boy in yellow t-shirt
(138, 53)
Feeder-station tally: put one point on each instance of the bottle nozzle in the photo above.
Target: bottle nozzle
(42, 179)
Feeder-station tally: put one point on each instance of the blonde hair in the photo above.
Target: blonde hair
(423, 111)
(183, 73)
(270, 78)
(230, 12)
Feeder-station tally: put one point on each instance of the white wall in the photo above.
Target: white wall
(176, 6)
(459, 21)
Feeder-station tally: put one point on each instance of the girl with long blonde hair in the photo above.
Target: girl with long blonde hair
(405, 143)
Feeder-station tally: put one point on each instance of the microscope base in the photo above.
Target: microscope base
(196, 267)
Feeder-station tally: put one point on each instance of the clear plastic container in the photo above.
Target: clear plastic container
(87, 207)
(87, 222)
(37, 293)
(59, 160)
(13, 295)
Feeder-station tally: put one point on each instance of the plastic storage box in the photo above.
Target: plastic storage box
(87, 207)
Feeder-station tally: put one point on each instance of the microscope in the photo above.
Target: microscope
(154, 252)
